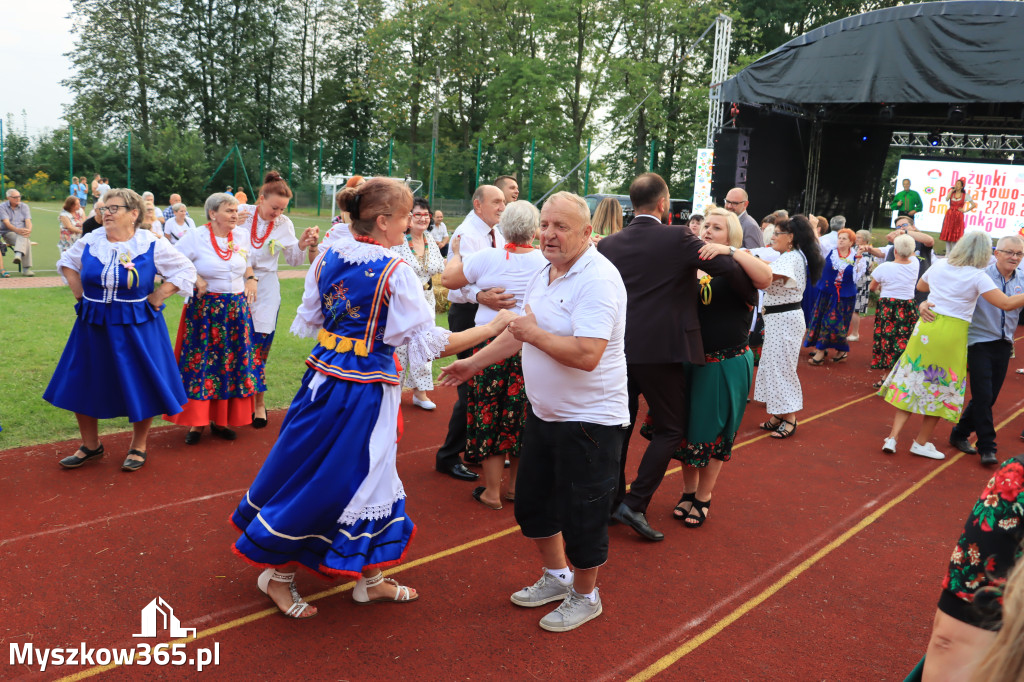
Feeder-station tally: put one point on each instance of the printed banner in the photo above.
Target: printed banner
(702, 180)
(997, 189)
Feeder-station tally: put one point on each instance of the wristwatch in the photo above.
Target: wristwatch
(252, 277)
(732, 250)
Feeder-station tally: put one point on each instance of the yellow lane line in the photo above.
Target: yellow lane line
(671, 658)
(259, 615)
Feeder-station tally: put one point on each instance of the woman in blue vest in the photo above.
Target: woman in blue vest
(329, 497)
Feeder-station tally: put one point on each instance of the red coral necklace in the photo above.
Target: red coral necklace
(223, 254)
(257, 241)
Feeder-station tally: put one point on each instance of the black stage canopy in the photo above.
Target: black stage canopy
(830, 99)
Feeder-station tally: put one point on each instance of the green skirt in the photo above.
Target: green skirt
(930, 378)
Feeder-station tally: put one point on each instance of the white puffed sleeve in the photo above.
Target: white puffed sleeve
(860, 266)
(285, 236)
(787, 266)
(72, 258)
(309, 317)
(410, 320)
(174, 267)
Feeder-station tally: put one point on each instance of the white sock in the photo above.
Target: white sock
(592, 596)
(564, 575)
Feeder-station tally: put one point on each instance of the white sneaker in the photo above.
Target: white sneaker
(889, 446)
(423, 404)
(927, 450)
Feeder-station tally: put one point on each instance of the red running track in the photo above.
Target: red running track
(816, 562)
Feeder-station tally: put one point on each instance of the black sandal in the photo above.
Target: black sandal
(701, 508)
(841, 358)
(74, 461)
(818, 363)
(782, 432)
(134, 464)
(683, 513)
(769, 426)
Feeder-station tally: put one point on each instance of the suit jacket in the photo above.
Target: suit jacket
(659, 264)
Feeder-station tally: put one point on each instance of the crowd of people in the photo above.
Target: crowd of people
(561, 320)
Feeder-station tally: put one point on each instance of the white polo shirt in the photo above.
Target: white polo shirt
(588, 301)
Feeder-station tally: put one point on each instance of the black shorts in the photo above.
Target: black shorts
(568, 473)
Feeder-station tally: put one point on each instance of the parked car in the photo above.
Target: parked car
(679, 209)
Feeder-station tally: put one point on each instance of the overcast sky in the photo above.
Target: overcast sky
(35, 36)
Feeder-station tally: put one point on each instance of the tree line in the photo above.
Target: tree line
(190, 78)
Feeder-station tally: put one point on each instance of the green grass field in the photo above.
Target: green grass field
(37, 323)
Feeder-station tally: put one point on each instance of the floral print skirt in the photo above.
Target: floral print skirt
(830, 322)
(894, 320)
(495, 410)
(217, 360)
(930, 377)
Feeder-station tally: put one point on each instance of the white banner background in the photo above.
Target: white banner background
(998, 190)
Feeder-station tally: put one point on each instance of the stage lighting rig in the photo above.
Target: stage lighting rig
(955, 114)
(934, 139)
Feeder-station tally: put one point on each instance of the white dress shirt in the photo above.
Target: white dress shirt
(475, 237)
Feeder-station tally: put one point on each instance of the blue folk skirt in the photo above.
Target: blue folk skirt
(118, 370)
(292, 511)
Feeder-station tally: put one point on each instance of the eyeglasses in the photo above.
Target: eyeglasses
(112, 210)
(901, 226)
(420, 216)
(14, 196)
(1012, 254)
(733, 203)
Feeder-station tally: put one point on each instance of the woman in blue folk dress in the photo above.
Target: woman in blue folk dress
(118, 361)
(329, 497)
(837, 292)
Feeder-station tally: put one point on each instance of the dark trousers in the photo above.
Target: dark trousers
(664, 386)
(987, 363)
(461, 316)
(565, 485)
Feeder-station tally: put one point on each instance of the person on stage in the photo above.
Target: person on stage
(328, 496)
(271, 233)
(118, 360)
(960, 202)
(215, 336)
(908, 202)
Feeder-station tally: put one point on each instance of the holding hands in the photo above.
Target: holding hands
(310, 237)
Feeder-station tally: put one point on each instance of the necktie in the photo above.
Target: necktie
(491, 235)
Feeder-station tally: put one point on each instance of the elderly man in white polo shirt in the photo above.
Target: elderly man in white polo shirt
(574, 364)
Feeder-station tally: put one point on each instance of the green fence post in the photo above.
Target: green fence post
(391, 154)
(129, 183)
(479, 147)
(654, 153)
(71, 152)
(261, 161)
(2, 181)
(533, 153)
(354, 143)
(586, 174)
(433, 154)
(290, 164)
(320, 180)
(234, 170)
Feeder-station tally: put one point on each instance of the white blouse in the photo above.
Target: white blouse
(410, 321)
(265, 261)
(173, 231)
(222, 276)
(170, 263)
(793, 266)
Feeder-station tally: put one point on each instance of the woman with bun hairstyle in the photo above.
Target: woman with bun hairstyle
(328, 496)
(271, 233)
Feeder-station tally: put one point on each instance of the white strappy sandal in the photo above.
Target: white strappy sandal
(402, 593)
(298, 607)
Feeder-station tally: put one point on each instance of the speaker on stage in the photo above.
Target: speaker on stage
(732, 154)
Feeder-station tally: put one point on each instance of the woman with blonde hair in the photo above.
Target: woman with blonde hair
(930, 377)
(328, 496)
(607, 217)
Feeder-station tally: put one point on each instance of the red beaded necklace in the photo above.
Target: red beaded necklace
(221, 253)
(257, 241)
(367, 240)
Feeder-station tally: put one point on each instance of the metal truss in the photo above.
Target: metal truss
(813, 166)
(957, 141)
(719, 71)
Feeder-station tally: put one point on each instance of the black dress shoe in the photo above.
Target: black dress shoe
(259, 422)
(74, 461)
(223, 432)
(989, 458)
(459, 471)
(962, 445)
(192, 437)
(134, 464)
(638, 522)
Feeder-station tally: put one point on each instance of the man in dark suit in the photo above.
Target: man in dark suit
(658, 264)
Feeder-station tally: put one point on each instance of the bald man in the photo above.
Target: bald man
(737, 201)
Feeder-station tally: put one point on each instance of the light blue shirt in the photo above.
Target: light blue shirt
(989, 322)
